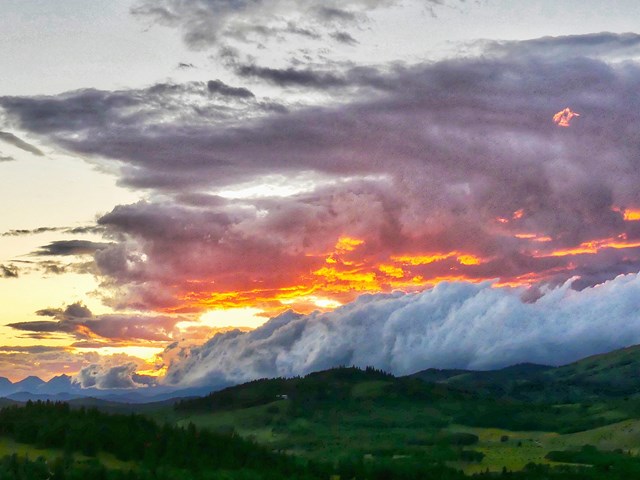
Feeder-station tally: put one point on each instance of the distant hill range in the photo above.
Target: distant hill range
(610, 375)
(62, 388)
(614, 374)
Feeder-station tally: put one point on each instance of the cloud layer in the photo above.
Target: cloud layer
(80, 323)
(411, 175)
(454, 325)
(208, 22)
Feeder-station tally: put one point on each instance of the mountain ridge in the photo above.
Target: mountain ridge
(615, 373)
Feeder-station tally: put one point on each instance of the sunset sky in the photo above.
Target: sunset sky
(174, 168)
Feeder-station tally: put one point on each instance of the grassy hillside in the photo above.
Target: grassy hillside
(472, 421)
(347, 414)
(614, 375)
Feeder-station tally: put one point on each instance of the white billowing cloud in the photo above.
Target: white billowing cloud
(453, 325)
(105, 377)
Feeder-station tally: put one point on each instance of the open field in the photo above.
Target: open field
(9, 446)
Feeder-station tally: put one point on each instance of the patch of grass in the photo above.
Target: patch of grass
(10, 447)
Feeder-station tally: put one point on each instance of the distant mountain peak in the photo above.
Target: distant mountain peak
(31, 379)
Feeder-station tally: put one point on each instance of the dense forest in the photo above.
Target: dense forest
(166, 452)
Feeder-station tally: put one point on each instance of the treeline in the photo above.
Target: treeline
(333, 386)
(140, 440)
(167, 452)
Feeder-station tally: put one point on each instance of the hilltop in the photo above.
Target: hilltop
(610, 375)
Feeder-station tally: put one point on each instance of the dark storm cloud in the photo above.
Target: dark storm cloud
(70, 247)
(11, 139)
(457, 155)
(8, 271)
(217, 86)
(78, 321)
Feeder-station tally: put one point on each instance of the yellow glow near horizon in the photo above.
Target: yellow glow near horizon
(147, 354)
(320, 302)
(231, 317)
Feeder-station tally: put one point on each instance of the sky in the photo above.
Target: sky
(382, 178)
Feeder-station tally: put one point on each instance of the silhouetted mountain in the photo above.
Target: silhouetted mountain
(29, 384)
(59, 384)
(611, 374)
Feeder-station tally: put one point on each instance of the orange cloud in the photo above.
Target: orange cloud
(468, 260)
(345, 272)
(595, 246)
(631, 215)
(563, 117)
(533, 236)
(422, 259)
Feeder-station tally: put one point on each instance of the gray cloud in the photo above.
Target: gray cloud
(11, 139)
(291, 76)
(207, 22)
(77, 320)
(331, 14)
(603, 44)
(8, 271)
(108, 377)
(454, 325)
(34, 231)
(219, 87)
(344, 37)
(455, 155)
(70, 247)
(6, 158)
(39, 230)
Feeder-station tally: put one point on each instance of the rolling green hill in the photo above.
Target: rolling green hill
(610, 375)
(467, 419)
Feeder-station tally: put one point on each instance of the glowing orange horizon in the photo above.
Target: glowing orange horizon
(340, 276)
(349, 270)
